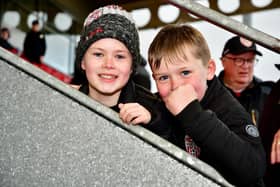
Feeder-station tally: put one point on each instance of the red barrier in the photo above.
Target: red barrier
(52, 71)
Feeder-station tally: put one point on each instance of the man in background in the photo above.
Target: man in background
(34, 44)
(238, 59)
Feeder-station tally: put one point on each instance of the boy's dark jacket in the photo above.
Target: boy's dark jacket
(223, 130)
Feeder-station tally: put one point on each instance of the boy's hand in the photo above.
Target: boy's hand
(134, 113)
(179, 98)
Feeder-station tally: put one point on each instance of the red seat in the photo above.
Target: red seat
(52, 71)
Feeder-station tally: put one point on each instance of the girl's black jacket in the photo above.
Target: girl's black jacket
(223, 130)
(134, 93)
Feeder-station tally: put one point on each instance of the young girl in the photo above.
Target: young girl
(106, 57)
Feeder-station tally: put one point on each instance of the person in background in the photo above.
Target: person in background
(34, 46)
(141, 75)
(106, 57)
(207, 121)
(238, 59)
(4, 37)
(270, 133)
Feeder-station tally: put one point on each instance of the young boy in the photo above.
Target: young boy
(208, 122)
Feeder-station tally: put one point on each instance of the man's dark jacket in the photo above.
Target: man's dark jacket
(253, 97)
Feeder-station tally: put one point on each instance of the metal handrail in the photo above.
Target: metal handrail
(228, 24)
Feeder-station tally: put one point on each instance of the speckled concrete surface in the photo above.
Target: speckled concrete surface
(48, 139)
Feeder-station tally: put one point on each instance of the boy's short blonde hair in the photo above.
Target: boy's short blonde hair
(172, 41)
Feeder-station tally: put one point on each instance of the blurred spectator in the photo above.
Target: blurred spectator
(238, 59)
(34, 44)
(270, 133)
(34, 51)
(4, 37)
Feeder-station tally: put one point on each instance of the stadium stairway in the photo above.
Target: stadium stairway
(53, 135)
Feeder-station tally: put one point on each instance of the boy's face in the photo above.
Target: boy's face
(108, 66)
(171, 76)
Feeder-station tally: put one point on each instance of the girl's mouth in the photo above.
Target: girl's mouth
(108, 76)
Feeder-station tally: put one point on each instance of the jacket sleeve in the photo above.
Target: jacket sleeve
(231, 149)
(158, 124)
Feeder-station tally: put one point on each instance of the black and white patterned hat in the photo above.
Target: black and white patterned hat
(111, 21)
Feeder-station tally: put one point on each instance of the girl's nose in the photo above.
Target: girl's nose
(108, 62)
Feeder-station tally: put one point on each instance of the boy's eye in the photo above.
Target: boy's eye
(185, 73)
(163, 78)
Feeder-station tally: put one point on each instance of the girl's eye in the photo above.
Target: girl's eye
(185, 73)
(163, 78)
(97, 54)
(120, 56)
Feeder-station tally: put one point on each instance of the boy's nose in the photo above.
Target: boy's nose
(175, 83)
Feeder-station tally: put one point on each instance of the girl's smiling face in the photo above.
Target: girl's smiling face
(108, 66)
